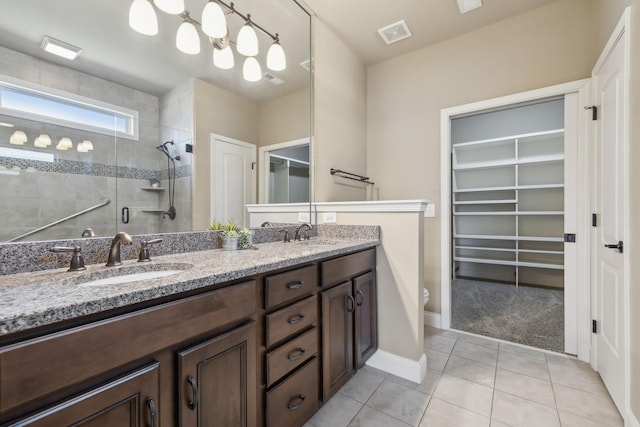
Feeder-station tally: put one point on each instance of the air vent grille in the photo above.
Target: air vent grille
(395, 32)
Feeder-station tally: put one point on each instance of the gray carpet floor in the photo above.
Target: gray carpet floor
(525, 315)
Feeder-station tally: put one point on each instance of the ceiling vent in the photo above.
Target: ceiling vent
(395, 32)
(468, 5)
(273, 79)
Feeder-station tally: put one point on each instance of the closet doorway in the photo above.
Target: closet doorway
(511, 208)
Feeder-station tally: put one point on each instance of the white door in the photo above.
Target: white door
(609, 276)
(233, 179)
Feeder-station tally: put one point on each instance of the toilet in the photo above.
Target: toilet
(425, 296)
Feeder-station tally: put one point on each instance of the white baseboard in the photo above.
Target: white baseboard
(631, 420)
(432, 319)
(412, 370)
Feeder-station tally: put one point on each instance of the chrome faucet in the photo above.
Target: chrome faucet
(114, 252)
(302, 233)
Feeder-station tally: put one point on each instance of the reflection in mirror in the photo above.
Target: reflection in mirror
(175, 97)
(289, 175)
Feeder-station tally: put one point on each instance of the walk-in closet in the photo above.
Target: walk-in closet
(507, 207)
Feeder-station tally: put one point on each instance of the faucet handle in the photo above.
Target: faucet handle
(77, 260)
(287, 237)
(144, 250)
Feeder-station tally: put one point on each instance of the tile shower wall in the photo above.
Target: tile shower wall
(116, 170)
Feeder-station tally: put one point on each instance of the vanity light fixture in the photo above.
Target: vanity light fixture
(172, 7)
(43, 141)
(247, 43)
(223, 58)
(18, 138)
(187, 37)
(143, 19)
(214, 23)
(65, 143)
(251, 70)
(60, 48)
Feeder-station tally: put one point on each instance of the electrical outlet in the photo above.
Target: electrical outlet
(329, 217)
(304, 217)
(430, 211)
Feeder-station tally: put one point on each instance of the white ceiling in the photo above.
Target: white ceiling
(356, 22)
(113, 51)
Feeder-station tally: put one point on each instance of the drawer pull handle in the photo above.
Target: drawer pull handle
(295, 355)
(152, 411)
(300, 400)
(352, 306)
(193, 404)
(295, 285)
(296, 319)
(361, 295)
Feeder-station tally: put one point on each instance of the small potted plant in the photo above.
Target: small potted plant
(230, 236)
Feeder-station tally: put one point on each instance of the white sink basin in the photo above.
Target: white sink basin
(115, 276)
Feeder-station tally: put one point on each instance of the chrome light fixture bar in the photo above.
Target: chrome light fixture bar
(143, 19)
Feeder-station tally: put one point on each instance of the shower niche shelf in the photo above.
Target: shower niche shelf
(153, 188)
(152, 210)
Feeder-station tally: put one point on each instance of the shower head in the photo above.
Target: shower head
(165, 150)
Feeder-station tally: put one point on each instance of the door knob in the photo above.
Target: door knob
(615, 246)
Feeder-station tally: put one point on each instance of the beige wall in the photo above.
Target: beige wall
(405, 95)
(606, 15)
(285, 118)
(224, 113)
(340, 116)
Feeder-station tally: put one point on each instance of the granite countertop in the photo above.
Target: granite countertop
(29, 300)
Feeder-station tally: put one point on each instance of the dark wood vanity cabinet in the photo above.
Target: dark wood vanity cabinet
(208, 358)
(129, 400)
(349, 317)
(217, 384)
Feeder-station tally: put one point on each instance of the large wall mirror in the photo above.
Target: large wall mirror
(136, 135)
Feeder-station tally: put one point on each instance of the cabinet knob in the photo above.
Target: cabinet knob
(361, 295)
(350, 307)
(296, 319)
(295, 285)
(295, 355)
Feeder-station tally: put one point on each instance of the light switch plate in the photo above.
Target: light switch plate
(430, 211)
(329, 217)
(303, 217)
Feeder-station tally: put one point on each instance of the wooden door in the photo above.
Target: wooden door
(130, 400)
(218, 380)
(609, 278)
(233, 179)
(366, 312)
(337, 338)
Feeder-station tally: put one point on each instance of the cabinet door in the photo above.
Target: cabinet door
(218, 380)
(337, 338)
(130, 400)
(366, 318)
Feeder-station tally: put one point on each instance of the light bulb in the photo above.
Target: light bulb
(18, 138)
(82, 148)
(87, 144)
(223, 58)
(61, 146)
(251, 70)
(173, 7)
(214, 23)
(43, 141)
(142, 18)
(187, 38)
(276, 60)
(247, 43)
(65, 142)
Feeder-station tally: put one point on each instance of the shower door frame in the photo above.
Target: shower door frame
(577, 258)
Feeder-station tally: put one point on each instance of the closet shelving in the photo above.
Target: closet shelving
(508, 202)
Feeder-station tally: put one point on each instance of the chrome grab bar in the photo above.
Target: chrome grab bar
(56, 222)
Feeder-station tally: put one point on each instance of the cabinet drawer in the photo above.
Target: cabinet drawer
(291, 355)
(344, 268)
(44, 365)
(295, 400)
(290, 320)
(284, 287)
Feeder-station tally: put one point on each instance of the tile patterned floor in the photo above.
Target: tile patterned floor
(472, 381)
